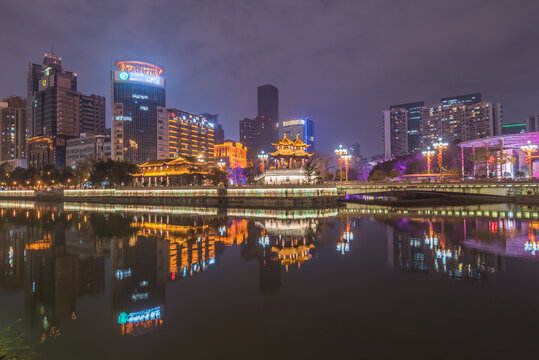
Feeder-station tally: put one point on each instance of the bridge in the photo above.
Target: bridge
(510, 190)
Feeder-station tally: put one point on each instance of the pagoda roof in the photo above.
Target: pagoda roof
(284, 142)
(291, 152)
(300, 143)
(166, 162)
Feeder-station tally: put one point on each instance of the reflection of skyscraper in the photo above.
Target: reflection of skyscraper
(139, 273)
(429, 249)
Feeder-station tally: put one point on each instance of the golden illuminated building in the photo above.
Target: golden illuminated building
(233, 153)
(187, 135)
(169, 172)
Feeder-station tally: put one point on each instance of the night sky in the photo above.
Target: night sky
(337, 62)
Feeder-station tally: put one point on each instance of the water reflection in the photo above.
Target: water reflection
(56, 255)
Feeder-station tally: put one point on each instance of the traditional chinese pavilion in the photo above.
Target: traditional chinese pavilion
(290, 157)
(290, 154)
(178, 171)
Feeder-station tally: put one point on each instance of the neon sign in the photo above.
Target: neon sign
(124, 118)
(144, 315)
(123, 75)
(139, 67)
(294, 122)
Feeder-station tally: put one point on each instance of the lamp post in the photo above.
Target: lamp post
(340, 151)
(346, 158)
(221, 164)
(440, 146)
(428, 153)
(529, 149)
(262, 157)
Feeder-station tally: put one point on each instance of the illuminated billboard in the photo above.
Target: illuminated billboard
(139, 72)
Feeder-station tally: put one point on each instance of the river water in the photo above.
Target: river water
(83, 281)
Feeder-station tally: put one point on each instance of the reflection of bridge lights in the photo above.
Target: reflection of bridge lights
(264, 241)
(431, 241)
(531, 246)
(348, 235)
(444, 254)
(222, 230)
(343, 248)
(123, 274)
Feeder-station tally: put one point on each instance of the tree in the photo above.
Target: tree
(378, 175)
(393, 174)
(114, 173)
(311, 172)
(216, 176)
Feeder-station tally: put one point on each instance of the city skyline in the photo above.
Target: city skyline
(342, 73)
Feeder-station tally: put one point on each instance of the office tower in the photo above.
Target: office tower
(217, 129)
(188, 135)
(459, 122)
(413, 114)
(92, 115)
(138, 109)
(395, 132)
(268, 109)
(248, 135)
(12, 128)
(302, 128)
(532, 123)
(56, 111)
(256, 135)
(87, 148)
(468, 99)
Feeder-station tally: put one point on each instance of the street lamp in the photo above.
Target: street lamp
(428, 153)
(262, 157)
(340, 151)
(529, 149)
(221, 164)
(346, 158)
(440, 146)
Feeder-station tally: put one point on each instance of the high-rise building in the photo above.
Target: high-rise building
(256, 135)
(187, 135)
(56, 110)
(395, 132)
(459, 122)
(138, 110)
(302, 128)
(218, 128)
(413, 115)
(12, 128)
(248, 135)
(268, 109)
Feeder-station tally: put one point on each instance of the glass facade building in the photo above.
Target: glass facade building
(302, 128)
(138, 109)
(413, 114)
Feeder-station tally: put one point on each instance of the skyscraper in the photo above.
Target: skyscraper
(301, 127)
(268, 108)
(57, 111)
(459, 122)
(256, 135)
(138, 109)
(12, 128)
(217, 129)
(395, 125)
(188, 135)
